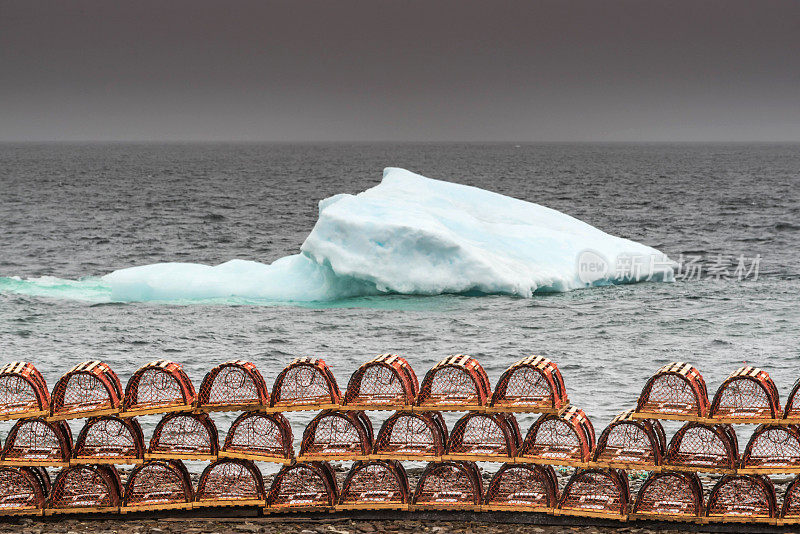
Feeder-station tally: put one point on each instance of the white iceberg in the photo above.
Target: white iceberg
(414, 235)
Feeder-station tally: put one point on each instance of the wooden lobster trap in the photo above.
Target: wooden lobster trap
(743, 498)
(748, 395)
(596, 493)
(90, 388)
(38, 442)
(669, 496)
(158, 485)
(184, 436)
(23, 392)
(457, 383)
(23, 490)
(772, 449)
(160, 386)
(260, 436)
(566, 439)
(449, 486)
(702, 447)
(231, 482)
(677, 391)
(375, 485)
(790, 511)
(387, 382)
(107, 439)
(629, 443)
(234, 385)
(335, 434)
(305, 384)
(522, 487)
(791, 412)
(533, 384)
(303, 487)
(481, 436)
(416, 436)
(81, 489)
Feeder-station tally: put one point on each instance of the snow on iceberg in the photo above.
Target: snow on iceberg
(415, 235)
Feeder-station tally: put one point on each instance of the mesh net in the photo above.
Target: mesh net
(185, 433)
(336, 434)
(158, 483)
(304, 382)
(522, 485)
(675, 494)
(20, 489)
(738, 495)
(412, 434)
(628, 442)
(744, 397)
(375, 482)
(554, 438)
(482, 434)
(267, 435)
(773, 446)
(449, 483)
(230, 480)
(110, 437)
(233, 383)
(697, 445)
(595, 491)
(669, 393)
(86, 486)
(37, 439)
(302, 485)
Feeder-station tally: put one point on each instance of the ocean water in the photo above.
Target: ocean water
(73, 211)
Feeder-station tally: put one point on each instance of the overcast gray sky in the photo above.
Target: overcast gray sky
(340, 70)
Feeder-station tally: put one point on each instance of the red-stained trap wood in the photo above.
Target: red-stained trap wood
(742, 498)
(629, 443)
(449, 485)
(375, 484)
(233, 385)
(184, 436)
(566, 439)
(407, 435)
(23, 392)
(790, 511)
(37, 441)
(158, 485)
(526, 487)
(772, 449)
(596, 493)
(86, 488)
(533, 384)
(337, 434)
(109, 439)
(231, 482)
(303, 486)
(702, 447)
(676, 391)
(484, 436)
(260, 436)
(675, 496)
(457, 382)
(23, 490)
(305, 384)
(157, 387)
(386, 382)
(89, 388)
(747, 395)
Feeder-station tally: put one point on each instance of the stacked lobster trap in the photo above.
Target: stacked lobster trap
(88, 479)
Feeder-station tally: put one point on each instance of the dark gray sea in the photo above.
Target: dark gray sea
(73, 211)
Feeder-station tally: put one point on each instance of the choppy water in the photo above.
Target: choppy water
(73, 211)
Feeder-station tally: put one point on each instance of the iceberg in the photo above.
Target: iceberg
(416, 236)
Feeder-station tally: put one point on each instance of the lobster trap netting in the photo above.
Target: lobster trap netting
(597, 491)
(773, 446)
(791, 500)
(86, 486)
(444, 484)
(230, 480)
(412, 434)
(159, 384)
(305, 382)
(748, 393)
(531, 383)
(336, 433)
(697, 445)
(262, 435)
(22, 488)
(109, 438)
(631, 441)
(185, 434)
(569, 437)
(87, 387)
(234, 383)
(456, 380)
(387, 380)
(747, 496)
(158, 483)
(38, 440)
(485, 434)
(22, 390)
(376, 481)
(303, 485)
(676, 389)
(523, 485)
(670, 494)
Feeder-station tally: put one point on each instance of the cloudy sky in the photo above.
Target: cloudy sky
(402, 70)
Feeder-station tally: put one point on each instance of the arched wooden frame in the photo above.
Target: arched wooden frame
(337, 434)
(231, 482)
(260, 436)
(744, 497)
(773, 447)
(566, 439)
(37, 441)
(747, 394)
(306, 383)
(478, 435)
(375, 484)
(676, 390)
(700, 447)
(630, 443)
(531, 384)
(110, 439)
(86, 488)
(22, 490)
(385, 382)
(89, 388)
(303, 486)
(523, 487)
(407, 435)
(670, 495)
(23, 392)
(792, 410)
(158, 484)
(457, 381)
(596, 493)
(157, 387)
(233, 385)
(184, 435)
(449, 485)
(791, 501)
